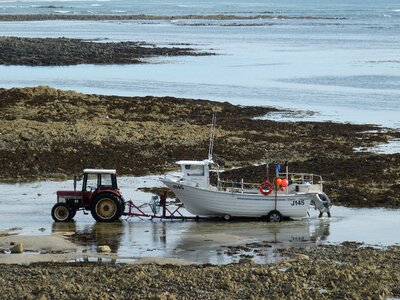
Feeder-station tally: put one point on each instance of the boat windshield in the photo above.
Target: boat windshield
(194, 170)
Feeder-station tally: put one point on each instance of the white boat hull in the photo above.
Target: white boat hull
(208, 202)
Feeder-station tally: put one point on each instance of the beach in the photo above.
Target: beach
(347, 271)
(133, 86)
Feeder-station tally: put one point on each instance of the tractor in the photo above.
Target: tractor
(99, 194)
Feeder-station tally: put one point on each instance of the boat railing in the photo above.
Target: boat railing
(302, 178)
(238, 187)
(253, 188)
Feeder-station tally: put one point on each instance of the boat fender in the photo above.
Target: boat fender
(264, 191)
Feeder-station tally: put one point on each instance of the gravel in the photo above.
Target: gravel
(348, 271)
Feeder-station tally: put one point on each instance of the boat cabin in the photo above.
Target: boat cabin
(196, 172)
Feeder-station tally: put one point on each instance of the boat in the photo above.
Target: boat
(289, 195)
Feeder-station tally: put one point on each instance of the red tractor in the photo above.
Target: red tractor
(99, 194)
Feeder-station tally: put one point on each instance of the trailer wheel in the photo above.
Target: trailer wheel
(274, 216)
(106, 207)
(61, 212)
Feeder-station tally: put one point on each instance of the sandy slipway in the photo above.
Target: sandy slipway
(47, 133)
(347, 271)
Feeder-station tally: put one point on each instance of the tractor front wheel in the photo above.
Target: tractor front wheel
(106, 207)
(61, 212)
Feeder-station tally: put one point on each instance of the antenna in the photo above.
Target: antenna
(212, 135)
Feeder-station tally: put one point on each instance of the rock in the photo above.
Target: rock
(51, 51)
(302, 257)
(25, 136)
(103, 249)
(17, 248)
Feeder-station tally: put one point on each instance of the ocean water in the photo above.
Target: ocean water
(342, 8)
(342, 64)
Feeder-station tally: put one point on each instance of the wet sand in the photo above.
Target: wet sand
(237, 260)
(203, 242)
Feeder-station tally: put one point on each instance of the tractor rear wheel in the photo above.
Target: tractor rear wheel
(61, 212)
(106, 207)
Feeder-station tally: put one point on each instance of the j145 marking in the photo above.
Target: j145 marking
(297, 202)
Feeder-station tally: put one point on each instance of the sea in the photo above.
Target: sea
(335, 60)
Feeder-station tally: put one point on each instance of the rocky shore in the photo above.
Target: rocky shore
(347, 271)
(65, 51)
(48, 133)
(83, 17)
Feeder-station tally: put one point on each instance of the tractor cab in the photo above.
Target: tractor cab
(98, 179)
(99, 194)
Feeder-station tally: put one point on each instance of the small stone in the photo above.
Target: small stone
(302, 257)
(103, 249)
(25, 136)
(17, 248)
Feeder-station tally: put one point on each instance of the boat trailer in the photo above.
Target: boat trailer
(156, 204)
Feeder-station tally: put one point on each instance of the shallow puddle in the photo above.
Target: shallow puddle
(392, 147)
(27, 208)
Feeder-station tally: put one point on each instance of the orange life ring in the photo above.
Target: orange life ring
(263, 191)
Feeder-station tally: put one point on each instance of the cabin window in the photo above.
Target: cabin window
(194, 170)
(91, 181)
(106, 179)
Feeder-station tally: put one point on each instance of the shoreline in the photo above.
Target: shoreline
(106, 17)
(348, 270)
(48, 133)
(16, 51)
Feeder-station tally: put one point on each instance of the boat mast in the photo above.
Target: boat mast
(212, 136)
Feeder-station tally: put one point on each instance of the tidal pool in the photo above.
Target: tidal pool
(26, 207)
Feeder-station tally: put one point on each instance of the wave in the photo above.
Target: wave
(234, 24)
(45, 6)
(62, 11)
